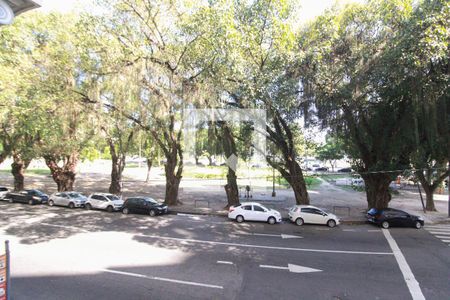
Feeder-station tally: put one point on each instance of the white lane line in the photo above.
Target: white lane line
(446, 241)
(224, 262)
(373, 230)
(283, 236)
(349, 230)
(273, 267)
(164, 279)
(437, 227)
(263, 247)
(439, 232)
(65, 227)
(408, 275)
(442, 236)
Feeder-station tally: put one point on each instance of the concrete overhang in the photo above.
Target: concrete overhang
(11, 8)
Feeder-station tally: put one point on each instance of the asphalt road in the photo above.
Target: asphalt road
(59, 253)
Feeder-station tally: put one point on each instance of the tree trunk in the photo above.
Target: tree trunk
(172, 179)
(429, 190)
(17, 170)
(149, 167)
(64, 176)
(210, 160)
(297, 182)
(283, 139)
(377, 190)
(231, 188)
(118, 165)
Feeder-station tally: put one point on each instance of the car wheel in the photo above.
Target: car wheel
(30, 202)
(418, 225)
(152, 213)
(125, 211)
(51, 203)
(331, 223)
(110, 209)
(88, 206)
(71, 205)
(299, 221)
(385, 224)
(271, 220)
(239, 219)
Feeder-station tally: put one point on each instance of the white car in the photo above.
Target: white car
(252, 211)
(108, 202)
(69, 199)
(302, 214)
(3, 192)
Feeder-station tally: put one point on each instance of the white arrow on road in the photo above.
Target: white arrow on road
(283, 236)
(292, 268)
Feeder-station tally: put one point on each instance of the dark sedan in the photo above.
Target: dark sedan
(31, 197)
(144, 205)
(394, 217)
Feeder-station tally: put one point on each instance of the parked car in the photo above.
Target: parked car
(252, 211)
(31, 197)
(69, 199)
(108, 202)
(321, 169)
(394, 217)
(308, 214)
(144, 205)
(3, 192)
(345, 170)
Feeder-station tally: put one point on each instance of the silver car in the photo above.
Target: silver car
(69, 199)
(3, 192)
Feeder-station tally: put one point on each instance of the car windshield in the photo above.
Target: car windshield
(372, 211)
(112, 197)
(76, 195)
(151, 200)
(36, 192)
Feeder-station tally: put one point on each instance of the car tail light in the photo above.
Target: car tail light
(231, 208)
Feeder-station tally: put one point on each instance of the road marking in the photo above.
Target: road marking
(373, 230)
(283, 236)
(164, 279)
(292, 268)
(446, 241)
(65, 227)
(322, 229)
(408, 275)
(349, 230)
(442, 236)
(438, 226)
(439, 231)
(263, 247)
(224, 262)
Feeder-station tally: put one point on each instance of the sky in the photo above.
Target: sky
(309, 10)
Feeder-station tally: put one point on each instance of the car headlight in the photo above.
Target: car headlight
(35, 198)
(420, 218)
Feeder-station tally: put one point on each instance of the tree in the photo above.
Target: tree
(331, 151)
(351, 72)
(258, 49)
(427, 61)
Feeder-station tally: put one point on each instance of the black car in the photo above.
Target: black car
(345, 170)
(144, 205)
(27, 196)
(394, 217)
